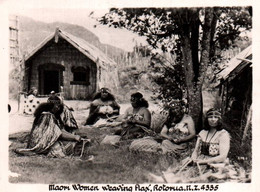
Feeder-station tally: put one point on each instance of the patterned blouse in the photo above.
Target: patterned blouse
(210, 145)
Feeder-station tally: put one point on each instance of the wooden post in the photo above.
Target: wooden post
(248, 122)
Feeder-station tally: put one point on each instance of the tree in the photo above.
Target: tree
(195, 35)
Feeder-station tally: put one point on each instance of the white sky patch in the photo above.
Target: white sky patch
(77, 12)
(120, 38)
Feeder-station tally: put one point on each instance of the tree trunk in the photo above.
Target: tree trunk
(205, 44)
(195, 87)
(204, 62)
(194, 95)
(215, 18)
(187, 61)
(195, 44)
(195, 100)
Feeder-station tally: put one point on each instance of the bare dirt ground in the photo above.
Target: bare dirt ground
(20, 122)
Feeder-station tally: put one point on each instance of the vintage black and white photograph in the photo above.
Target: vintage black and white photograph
(130, 95)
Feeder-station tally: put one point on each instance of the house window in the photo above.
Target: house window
(80, 76)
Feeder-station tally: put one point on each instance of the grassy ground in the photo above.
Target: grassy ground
(110, 165)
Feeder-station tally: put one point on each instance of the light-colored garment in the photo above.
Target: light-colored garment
(180, 129)
(106, 109)
(102, 110)
(139, 115)
(214, 141)
(30, 104)
(111, 139)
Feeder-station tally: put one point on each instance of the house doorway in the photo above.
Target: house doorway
(51, 81)
(50, 78)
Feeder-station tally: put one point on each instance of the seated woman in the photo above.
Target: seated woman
(178, 130)
(103, 106)
(66, 115)
(32, 93)
(137, 118)
(213, 141)
(176, 133)
(135, 123)
(47, 132)
(211, 151)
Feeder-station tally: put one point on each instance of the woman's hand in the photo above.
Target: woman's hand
(177, 141)
(131, 120)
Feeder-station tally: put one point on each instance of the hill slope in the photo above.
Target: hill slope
(34, 32)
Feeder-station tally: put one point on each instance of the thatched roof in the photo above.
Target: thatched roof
(236, 65)
(92, 52)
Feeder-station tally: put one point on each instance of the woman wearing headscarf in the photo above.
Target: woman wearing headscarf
(103, 106)
(213, 141)
(48, 132)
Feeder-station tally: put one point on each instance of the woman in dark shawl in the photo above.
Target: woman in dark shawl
(66, 115)
(48, 132)
(103, 106)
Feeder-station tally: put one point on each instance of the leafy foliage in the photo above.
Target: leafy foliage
(196, 36)
(231, 20)
(171, 77)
